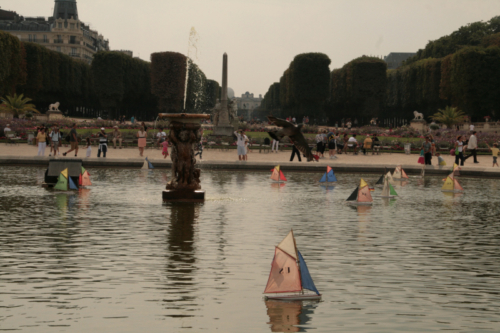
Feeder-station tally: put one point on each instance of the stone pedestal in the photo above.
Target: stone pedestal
(223, 131)
(54, 115)
(183, 196)
(419, 125)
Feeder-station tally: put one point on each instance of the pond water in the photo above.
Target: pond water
(113, 258)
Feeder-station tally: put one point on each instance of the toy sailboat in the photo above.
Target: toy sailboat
(422, 173)
(451, 185)
(150, 165)
(64, 182)
(277, 174)
(456, 170)
(289, 278)
(84, 179)
(361, 195)
(328, 176)
(388, 191)
(380, 181)
(399, 174)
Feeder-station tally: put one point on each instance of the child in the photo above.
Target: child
(89, 148)
(200, 149)
(440, 159)
(165, 149)
(494, 152)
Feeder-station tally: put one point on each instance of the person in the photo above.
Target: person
(345, 145)
(164, 151)
(275, 146)
(440, 159)
(375, 142)
(472, 146)
(132, 119)
(349, 124)
(367, 144)
(41, 137)
(294, 151)
(117, 136)
(161, 136)
(141, 142)
(354, 143)
(343, 123)
(427, 147)
(200, 146)
(103, 143)
(145, 127)
(494, 153)
(433, 144)
(355, 122)
(319, 143)
(7, 128)
(242, 138)
(331, 138)
(471, 128)
(294, 120)
(459, 144)
(337, 126)
(55, 138)
(89, 147)
(73, 140)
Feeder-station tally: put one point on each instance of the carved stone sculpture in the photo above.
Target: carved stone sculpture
(418, 115)
(54, 107)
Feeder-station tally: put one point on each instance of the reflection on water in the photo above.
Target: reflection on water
(288, 316)
(113, 258)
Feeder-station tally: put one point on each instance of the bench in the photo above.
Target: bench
(12, 138)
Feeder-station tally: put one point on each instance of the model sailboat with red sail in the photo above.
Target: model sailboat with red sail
(289, 278)
(277, 174)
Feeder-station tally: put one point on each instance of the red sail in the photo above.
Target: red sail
(285, 274)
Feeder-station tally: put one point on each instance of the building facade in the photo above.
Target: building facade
(247, 103)
(62, 32)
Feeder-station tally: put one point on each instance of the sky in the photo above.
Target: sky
(261, 37)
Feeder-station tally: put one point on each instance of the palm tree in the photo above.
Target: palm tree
(17, 105)
(449, 116)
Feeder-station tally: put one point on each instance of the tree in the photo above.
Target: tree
(17, 105)
(168, 80)
(449, 116)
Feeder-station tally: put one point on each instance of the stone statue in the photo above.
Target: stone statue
(183, 137)
(54, 107)
(232, 109)
(418, 115)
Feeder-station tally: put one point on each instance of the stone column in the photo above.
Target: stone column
(224, 128)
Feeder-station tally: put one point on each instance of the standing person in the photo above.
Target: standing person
(494, 152)
(73, 140)
(343, 123)
(132, 119)
(294, 120)
(55, 138)
(164, 151)
(337, 126)
(331, 138)
(459, 145)
(241, 143)
(433, 144)
(471, 127)
(346, 139)
(355, 122)
(349, 125)
(294, 151)
(275, 146)
(375, 142)
(161, 136)
(319, 143)
(89, 147)
(427, 147)
(117, 136)
(145, 127)
(141, 142)
(472, 146)
(103, 143)
(41, 137)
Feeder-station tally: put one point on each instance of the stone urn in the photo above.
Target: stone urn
(184, 135)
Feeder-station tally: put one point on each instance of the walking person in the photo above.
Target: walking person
(472, 146)
(331, 138)
(200, 146)
(494, 153)
(55, 139)
(319, 144)
(117, 136)
(275, 146)
(459, 146)
(160, 137)
(295, 151)
(103, 143)
(427, 147)
(41, 138)
(141, 140)
(89, 148)
(164, 151)
(241, 144)
(73, 140)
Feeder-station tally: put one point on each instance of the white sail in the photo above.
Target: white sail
(287, 245)
(385, 190)
(397, 172)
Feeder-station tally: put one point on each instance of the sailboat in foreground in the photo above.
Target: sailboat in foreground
(380, 181)
(361, 195)
(399, 174)
(277, 174)
(289, 278)
(451, 185)
(388, 191)
(328, 176)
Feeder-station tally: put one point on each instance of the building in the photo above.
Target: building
(247, 103)
(62, 32)
(395, 59)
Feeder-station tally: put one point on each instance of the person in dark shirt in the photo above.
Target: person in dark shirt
(73, 140)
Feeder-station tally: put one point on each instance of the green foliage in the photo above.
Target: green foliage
(449, 116)
(358, 89)
(168, 76)
(17, 105)
(212, 90)
(12, 63)
(271, 100)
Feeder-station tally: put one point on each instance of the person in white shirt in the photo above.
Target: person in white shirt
(160, 137)
(472, 146)
(354, 143)
(241, 143)
(7, 128)
(471, 128)
(55, 139)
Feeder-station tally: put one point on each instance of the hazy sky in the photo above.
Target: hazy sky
(261, 37)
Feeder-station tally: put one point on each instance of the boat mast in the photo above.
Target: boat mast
(297, 261)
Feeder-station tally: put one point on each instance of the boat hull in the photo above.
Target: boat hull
(355, 203)
(294, 297)
(452, 191)
(400, 179)
(387, 196)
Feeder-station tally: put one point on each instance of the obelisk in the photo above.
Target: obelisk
(223, 127)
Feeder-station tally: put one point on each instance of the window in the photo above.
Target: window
(30, 38)
(45, 38)
(73, 51)
(72, 39)
(72, 26)
(59, 25)
(34, 38)
(58, 49)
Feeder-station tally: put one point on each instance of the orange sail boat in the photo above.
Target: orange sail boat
(277, 174)
(399, 174)
(289, 278)
(361, 195)
(451, 185)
